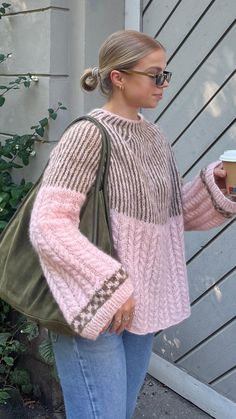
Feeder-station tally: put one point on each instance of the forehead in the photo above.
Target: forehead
(156, 59)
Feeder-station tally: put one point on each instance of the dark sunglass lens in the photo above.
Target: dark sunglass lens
(168, 77)
(160, 78)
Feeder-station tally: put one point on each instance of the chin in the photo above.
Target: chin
(150, 106)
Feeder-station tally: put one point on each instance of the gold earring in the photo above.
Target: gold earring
(121, 87)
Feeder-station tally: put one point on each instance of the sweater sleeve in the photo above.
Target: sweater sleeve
(204, 205)
(88, 285)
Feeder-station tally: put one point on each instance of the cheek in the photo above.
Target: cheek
(141, 90)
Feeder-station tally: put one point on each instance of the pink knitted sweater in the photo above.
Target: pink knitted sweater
(149, 210)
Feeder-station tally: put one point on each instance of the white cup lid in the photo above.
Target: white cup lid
(229, 155)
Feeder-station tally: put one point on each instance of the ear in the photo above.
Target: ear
(116, 78)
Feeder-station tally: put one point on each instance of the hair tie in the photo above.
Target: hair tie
(95, 72)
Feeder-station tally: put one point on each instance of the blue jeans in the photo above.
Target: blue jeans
(101, 379)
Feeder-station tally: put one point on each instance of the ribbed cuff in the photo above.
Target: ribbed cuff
(221, 202)
(107, 311)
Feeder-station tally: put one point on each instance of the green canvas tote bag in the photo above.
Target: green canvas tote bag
(22, 284)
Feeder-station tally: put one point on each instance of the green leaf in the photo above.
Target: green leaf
(3, 87)
(4, 197)
(31, 329)
(3, 213)
(2, 100)
(2, 224)
(6, 152)
(50, 110)
(40, 131)
(5, 180)
(44, 122)
(14, 203)
(53, 115)
(4, 165)
(27, 83)
(63, 107)
(46, 351)
(2, 10)
(25, 158)
(20, 377)
(6, 5)
(2, 56)
(16, 193)
(34, 127)
(16, 166)
(4, 337)
(59, 103)
(27, 388)
(8, 360)
(4, 396)
(2, 369)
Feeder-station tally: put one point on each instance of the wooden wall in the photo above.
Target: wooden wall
(198, 115)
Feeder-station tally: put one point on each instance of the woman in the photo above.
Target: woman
(116, 305)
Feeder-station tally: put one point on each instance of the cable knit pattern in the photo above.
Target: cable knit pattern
(149, 211)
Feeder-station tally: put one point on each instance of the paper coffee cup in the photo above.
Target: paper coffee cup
(228, 159)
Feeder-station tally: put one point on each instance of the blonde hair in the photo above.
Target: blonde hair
(121, 50)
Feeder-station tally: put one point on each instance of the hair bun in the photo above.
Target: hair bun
(89, 79)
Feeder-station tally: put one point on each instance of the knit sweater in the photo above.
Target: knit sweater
(149, 210)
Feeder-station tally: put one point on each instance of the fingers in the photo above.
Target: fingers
(219, 171)
(121, 321)
(116, 324)
(123, 317)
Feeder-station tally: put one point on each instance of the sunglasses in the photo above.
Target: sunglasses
(158, 78)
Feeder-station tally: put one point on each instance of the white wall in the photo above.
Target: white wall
(55, 40)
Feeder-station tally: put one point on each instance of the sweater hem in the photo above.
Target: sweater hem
(159, 328)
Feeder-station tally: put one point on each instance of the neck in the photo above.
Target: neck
(119, 108)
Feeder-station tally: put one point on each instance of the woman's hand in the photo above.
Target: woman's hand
(220, 175)
(123, 317)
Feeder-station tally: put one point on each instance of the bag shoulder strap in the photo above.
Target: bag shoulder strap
(100, 182)
(101, 178)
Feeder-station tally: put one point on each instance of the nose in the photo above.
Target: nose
(165, 84)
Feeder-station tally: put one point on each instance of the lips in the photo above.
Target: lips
(158, 96)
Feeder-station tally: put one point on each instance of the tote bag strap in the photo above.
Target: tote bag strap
(100, 181)
(101, 177)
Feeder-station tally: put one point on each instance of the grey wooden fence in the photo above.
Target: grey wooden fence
(198, 115)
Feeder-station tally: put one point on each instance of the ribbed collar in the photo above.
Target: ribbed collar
(131, 126)
(117, 118)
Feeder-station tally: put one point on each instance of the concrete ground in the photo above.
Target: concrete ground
(155, 401)
(158, 401)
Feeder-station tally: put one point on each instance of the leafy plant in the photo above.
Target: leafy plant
(4, 57)
(46, 352)
(15, 153)
(14, 84)
(12, 377)
(3, 9)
